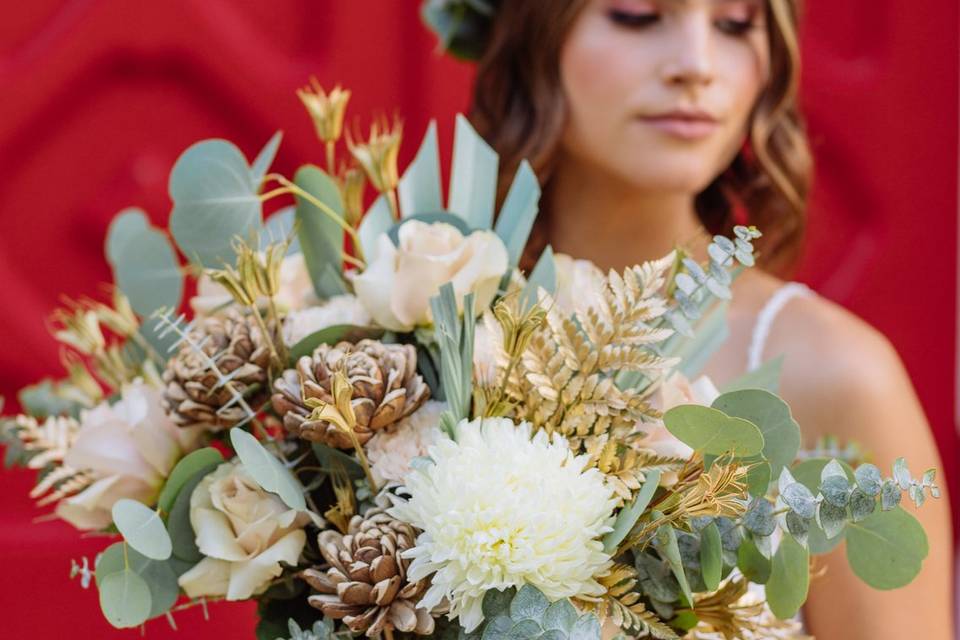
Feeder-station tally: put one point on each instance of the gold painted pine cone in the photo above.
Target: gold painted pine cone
(383, 377)
(193, 397)
(366, 583)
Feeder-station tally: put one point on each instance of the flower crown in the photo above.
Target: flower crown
(463, 26)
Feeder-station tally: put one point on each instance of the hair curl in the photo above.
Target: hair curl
(519, 107)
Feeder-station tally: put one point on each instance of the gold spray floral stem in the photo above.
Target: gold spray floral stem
(292, 188)
(331, 162)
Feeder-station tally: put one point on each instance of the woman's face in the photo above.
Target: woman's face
(660, 91)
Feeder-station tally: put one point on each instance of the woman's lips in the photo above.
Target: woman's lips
(687, 126)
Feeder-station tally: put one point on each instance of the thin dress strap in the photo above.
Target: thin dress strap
(761, 330)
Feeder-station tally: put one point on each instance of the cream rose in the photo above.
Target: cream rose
(344, 309)
(128, 448)
(296, 289)
(397, 286)
(244, 532)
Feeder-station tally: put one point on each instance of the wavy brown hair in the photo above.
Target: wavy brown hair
(519, 107)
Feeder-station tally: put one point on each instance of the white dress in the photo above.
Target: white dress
(758, 341)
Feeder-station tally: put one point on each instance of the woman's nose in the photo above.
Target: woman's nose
(689, 58)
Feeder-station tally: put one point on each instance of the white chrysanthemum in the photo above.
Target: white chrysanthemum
(499, 509)
(343, 309)
(391, 450)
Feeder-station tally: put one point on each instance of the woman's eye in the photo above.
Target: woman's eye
(735, 27)
(633, 19)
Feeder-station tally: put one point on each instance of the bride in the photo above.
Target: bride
(657, 122)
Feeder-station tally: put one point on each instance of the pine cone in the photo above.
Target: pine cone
(384, 379)
(366, 583)
(193, 396)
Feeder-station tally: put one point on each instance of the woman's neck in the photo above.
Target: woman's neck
(601, 219)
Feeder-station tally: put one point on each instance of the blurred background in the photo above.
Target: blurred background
(99, 97)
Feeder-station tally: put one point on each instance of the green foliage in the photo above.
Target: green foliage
(267, 470)
(321, 238)
(461, 25)
(122, 574)
(454, 336)
(754, 565)
(665, 542)
(264, 159)
(142, 528)
(48, 398)
(145, 266)
(330, 459)
(376, 221)
(887, 549)
(321, 630)
(694, 287)
(188, 466)
(528, 615)
(695, 351)
(182, 535)
(711, 556)
(713, 432)
(473, 177)
(215, 198)
(419, 188)
(544, 275)
(278, 228)
(331, 335)
(628, 516)
(789, 579)
(770, 414)
(518, 212)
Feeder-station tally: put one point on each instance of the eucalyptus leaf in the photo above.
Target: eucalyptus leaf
(890, 495)
(145, 266)
(861, 505)
(528, 603)
(125, 599)
(497, 602)
(869, 479)
(560, 616)
(759, 518)
(713, 432)
(753, 564)
(186, 468)
(800, 500)
(214, 199)
(798, 527)
(711, 561)
(267, 470)
(473, 177)
(265, 159)
(498, 628)
(142, 528)
(160, 576)
(182, 536)
(770, 414)
(831, 518)
(836, 490)
(758, 478)
(321, 237)
(887, 549)
(901, 474)
(330, 458)
(789, 581)
(419, 190)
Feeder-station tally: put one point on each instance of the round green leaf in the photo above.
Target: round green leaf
(185, 469)
(869, 479)
(214, 199)
(161, 577)
(529, 603)
(711, 556)
(559, 616)
(753, 564)
(887, 549)
(142, 528)
(587, 627)
(758, 478)
(182, 535)
(789, 579)
(712, 431)
(125, 599)
(759, 518)
(264, 159)
(145, 266)
(770, 414)
(800, 500)
(278, 228)
(267, 470)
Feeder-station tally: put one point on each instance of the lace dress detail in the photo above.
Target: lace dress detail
(766, 317)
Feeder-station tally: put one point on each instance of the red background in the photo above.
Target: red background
(100, 96)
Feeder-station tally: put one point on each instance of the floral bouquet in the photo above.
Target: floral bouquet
(375, 425)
